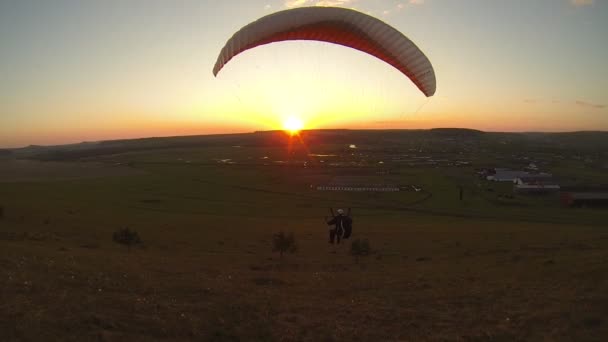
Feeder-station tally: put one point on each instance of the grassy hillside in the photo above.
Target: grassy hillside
(488, 267)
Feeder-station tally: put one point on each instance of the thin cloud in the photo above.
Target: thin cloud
(321, 3)
(590, 105)
(296, 3)
(404, 4)
(333, 3)
(579, 3)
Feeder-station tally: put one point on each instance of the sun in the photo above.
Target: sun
(293, 125)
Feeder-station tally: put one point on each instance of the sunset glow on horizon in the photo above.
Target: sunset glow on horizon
(77, 71)
(293, 125)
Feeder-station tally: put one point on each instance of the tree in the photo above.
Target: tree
(1, 212)
(126, 237)
(284, 243)
(359, 248)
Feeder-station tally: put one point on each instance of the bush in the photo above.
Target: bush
(284, 243)
(360, 248)
(126, 237)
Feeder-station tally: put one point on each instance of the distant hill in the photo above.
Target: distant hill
(575, 142)
(456, 132)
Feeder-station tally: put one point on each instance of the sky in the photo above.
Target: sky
(73, 70)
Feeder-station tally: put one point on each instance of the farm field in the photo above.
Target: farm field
(489, 266)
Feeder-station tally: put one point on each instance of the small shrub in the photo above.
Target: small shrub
(360, 248)
(284, 243)
(126, 237)
(90, 245)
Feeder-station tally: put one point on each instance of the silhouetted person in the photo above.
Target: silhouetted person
(342, 226)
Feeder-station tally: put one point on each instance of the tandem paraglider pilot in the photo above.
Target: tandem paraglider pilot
(342, 226)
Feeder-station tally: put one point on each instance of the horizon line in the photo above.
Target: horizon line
(303, 130)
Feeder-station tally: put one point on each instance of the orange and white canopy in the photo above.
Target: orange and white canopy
(340, 26)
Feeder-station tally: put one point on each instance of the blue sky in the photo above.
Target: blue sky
(76, 70)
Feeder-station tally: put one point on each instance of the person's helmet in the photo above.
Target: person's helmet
(340, 212)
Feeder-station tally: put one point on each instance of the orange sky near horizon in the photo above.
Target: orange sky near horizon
(88, 71)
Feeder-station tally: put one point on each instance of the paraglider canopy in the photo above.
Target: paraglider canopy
(340, 26)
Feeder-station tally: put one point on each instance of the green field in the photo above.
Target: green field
(486, 267)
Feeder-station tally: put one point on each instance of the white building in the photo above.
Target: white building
(541, 183)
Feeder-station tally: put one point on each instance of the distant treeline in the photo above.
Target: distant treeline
(4, 153)
(456, 132)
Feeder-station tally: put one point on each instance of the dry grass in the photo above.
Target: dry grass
(456, 281)
(36, 171)
(207, 271)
